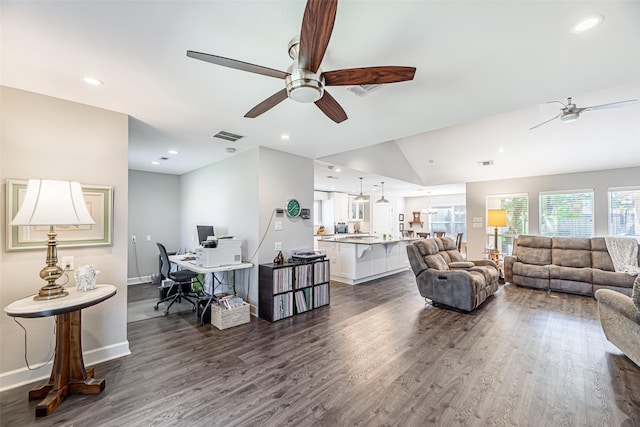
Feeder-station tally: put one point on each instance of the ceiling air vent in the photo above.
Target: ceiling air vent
(227, 136)
(486, 163)
(362, 90)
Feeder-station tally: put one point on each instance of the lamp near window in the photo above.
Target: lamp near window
(52, 203)
(496, 218)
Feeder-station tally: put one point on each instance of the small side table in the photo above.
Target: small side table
(68, 374)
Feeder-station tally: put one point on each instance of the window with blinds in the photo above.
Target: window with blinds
(517, 207)
(566, 214)
(624, 212)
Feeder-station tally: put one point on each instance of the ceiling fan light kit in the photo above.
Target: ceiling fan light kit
(304, 80)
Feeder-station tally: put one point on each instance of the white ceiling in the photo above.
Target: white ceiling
(484, 72)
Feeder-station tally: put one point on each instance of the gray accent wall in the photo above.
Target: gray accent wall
(238, 197)
(154, 210)
(599, 181)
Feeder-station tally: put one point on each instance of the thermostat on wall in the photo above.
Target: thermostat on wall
(305, 213)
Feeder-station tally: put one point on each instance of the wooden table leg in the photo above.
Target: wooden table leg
(68, 374)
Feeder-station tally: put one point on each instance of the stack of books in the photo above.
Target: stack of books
(229, 302)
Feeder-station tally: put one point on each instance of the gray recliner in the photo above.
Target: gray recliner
(620, 320)
(445, 278)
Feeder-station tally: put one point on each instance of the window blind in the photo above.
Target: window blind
(566, 214)
(624, 212)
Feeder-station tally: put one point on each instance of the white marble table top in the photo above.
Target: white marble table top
(76, 300)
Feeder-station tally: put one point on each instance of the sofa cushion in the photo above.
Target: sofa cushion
(426, 247)
(436, 261)
(455, 255)
(448, 243)
(529, 270)
(571, 251)
(635, 294)
(610, 278)
(534, 250)
(581, 243)
(600, 257)
(571, 273)
(534, 242)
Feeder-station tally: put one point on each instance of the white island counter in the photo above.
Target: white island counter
(359, 259)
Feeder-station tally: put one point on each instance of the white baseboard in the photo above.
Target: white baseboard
(18, 377)
(138, 280)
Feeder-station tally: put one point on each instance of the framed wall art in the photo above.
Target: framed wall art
(99, 202)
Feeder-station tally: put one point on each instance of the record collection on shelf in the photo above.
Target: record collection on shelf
(292, 288)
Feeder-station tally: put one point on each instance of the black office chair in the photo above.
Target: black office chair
(182, 281)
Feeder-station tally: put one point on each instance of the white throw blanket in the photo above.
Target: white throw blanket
(624, 254)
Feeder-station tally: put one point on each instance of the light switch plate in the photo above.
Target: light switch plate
(278, 226)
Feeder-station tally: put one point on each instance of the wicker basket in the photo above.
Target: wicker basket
(223, 318)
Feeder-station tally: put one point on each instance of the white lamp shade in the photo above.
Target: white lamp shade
(48, 202)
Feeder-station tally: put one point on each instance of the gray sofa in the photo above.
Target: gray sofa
(565, 264)
(444, 277)
(620, 320)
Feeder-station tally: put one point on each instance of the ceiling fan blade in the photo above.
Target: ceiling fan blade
(238, 65)
(331, 108)
(368, 75)
(267, 104)
(317, 25)
(611, 105)
(547, 121)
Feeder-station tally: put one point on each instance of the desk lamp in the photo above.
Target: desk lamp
(496, 218)
(52, 203)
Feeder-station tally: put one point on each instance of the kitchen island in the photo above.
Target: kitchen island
(359, 259)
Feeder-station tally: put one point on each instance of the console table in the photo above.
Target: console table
(68, 374)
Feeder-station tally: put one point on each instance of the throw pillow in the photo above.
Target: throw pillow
(635, 294)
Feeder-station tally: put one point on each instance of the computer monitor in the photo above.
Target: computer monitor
(204, 231)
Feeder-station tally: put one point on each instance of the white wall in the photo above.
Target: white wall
(599, 181)
(44, 137)
(238, 197)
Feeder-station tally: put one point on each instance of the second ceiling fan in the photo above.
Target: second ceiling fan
(304, 79)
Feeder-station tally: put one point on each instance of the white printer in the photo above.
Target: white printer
(228, 251)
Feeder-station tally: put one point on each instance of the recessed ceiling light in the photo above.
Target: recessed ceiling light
(587, 23)
(284, 136)
(338, 170)
(172, 152)
(155, 162)
(93, 81)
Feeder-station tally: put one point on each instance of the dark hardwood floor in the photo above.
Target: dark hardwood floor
(377, 356)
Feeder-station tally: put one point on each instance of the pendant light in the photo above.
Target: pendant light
(382, 200)
(361, 198)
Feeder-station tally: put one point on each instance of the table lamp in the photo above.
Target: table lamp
(496, 218)
(52, 203)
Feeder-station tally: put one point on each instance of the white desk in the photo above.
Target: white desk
(180, 261)
(68, 374)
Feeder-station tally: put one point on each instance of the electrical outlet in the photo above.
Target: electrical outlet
(67, 263)
(148, 237)
(133, 239)
(278, 246)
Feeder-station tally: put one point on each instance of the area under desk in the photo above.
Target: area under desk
(191, 265)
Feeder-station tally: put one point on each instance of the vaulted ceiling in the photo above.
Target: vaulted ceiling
(485, 70)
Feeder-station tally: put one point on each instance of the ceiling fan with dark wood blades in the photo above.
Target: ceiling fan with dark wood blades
(304, 79)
